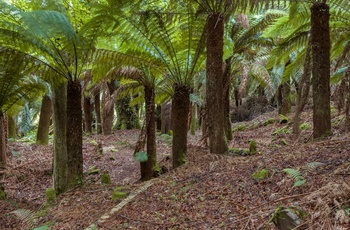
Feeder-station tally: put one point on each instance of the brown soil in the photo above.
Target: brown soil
(208, 192)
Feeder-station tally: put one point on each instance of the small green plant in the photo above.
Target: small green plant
(50, 195)
(261, 174)
(93, 170)
(268, 122)
(283, 130)
(239, 128)
(167, 138)
(141, 156)
(119, 193)
(283, 119)
(305, 126)
(252, 147)
(297, 175)
(105, 178)
(237, 151)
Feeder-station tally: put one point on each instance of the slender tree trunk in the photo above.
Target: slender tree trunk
(127, 115)
(74, 134)
(98, 113)
(303, 91)
(286, 104)
(42, 137)
(88, 115)
(214, 84)
(108, 110)
(147, 168)
(320, 42)
(60, 160)
(3, 146)
(226, 87)
(194, 119)
(12, 127)
(179, 115)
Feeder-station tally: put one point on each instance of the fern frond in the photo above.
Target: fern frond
(25, 216)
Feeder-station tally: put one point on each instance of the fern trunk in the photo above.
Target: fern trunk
(3, 146)
(42, 137)
(12, 127)
(88, 115)
(226, 87)
(60, 165)
(179, 115)
(214, 84)
(108, 112)
(320, 43)
(74, 134)
(97, 107)
(148, 167)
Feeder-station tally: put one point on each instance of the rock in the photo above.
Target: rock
(287, 218)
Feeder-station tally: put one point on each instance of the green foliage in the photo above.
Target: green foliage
(252, 147)
(261, 174)
(283, 119)
(93, 170)
(239, 128)
(268, 122)
(167, 138)
(237, 151)
(119, 193)
(44, 227)
(283, 130)
(305, 126)
(141, 156)
(296, 176)
(50, 195)
(105, 178)
(3, 195)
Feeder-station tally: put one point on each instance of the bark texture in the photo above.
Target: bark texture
(74, 134)
(214, 84)
(42, 137)
(97, 108)
(88, 108)
(148, 167)
(59, 101)
(12, 127)
(320, 42)
(3, 148)
(179, 115)
(108, 110)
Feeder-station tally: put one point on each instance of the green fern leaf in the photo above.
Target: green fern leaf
(141, 156)
(294, 174)
(299, 183)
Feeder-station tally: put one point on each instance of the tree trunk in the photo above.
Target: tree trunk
(59, 101)
(166, 118)
(303, 91)
(226, 87)
(98, 113)
(179, 115)
(74, 134)
(12, 127)
(42, 137)
(88, 115)
(320, 43)
(147, 168)
(284, 98)
(108, 110)
(214, 84)
(3, 147)
(127, 115)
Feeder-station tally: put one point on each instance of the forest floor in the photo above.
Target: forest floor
(208, 192)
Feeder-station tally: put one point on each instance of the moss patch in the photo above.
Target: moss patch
(261, 174)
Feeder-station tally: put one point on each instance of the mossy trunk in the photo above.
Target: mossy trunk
(320, 43)
(194, 120)
(74, 134)
(179, 115)
(42, 137)
(12, 127)
(148, 167)
(60, 160)
(3, 146)
(214, 84)
(166, 125)
(97, 108)
(127, 115)
(88, 108)
(284, 104)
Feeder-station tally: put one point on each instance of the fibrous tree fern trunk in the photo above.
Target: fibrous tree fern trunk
(3, 148)
(226, 87)
(214, 84)
(12, 127)
(59, 101)
(74, 134)
(303, 91)
(42, 137)
(97, 107)
(88, 107)
(108, 110)
(179, 115)
(147, 168)
(320, 43)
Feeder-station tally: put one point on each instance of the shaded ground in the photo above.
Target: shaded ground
(209, 192)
